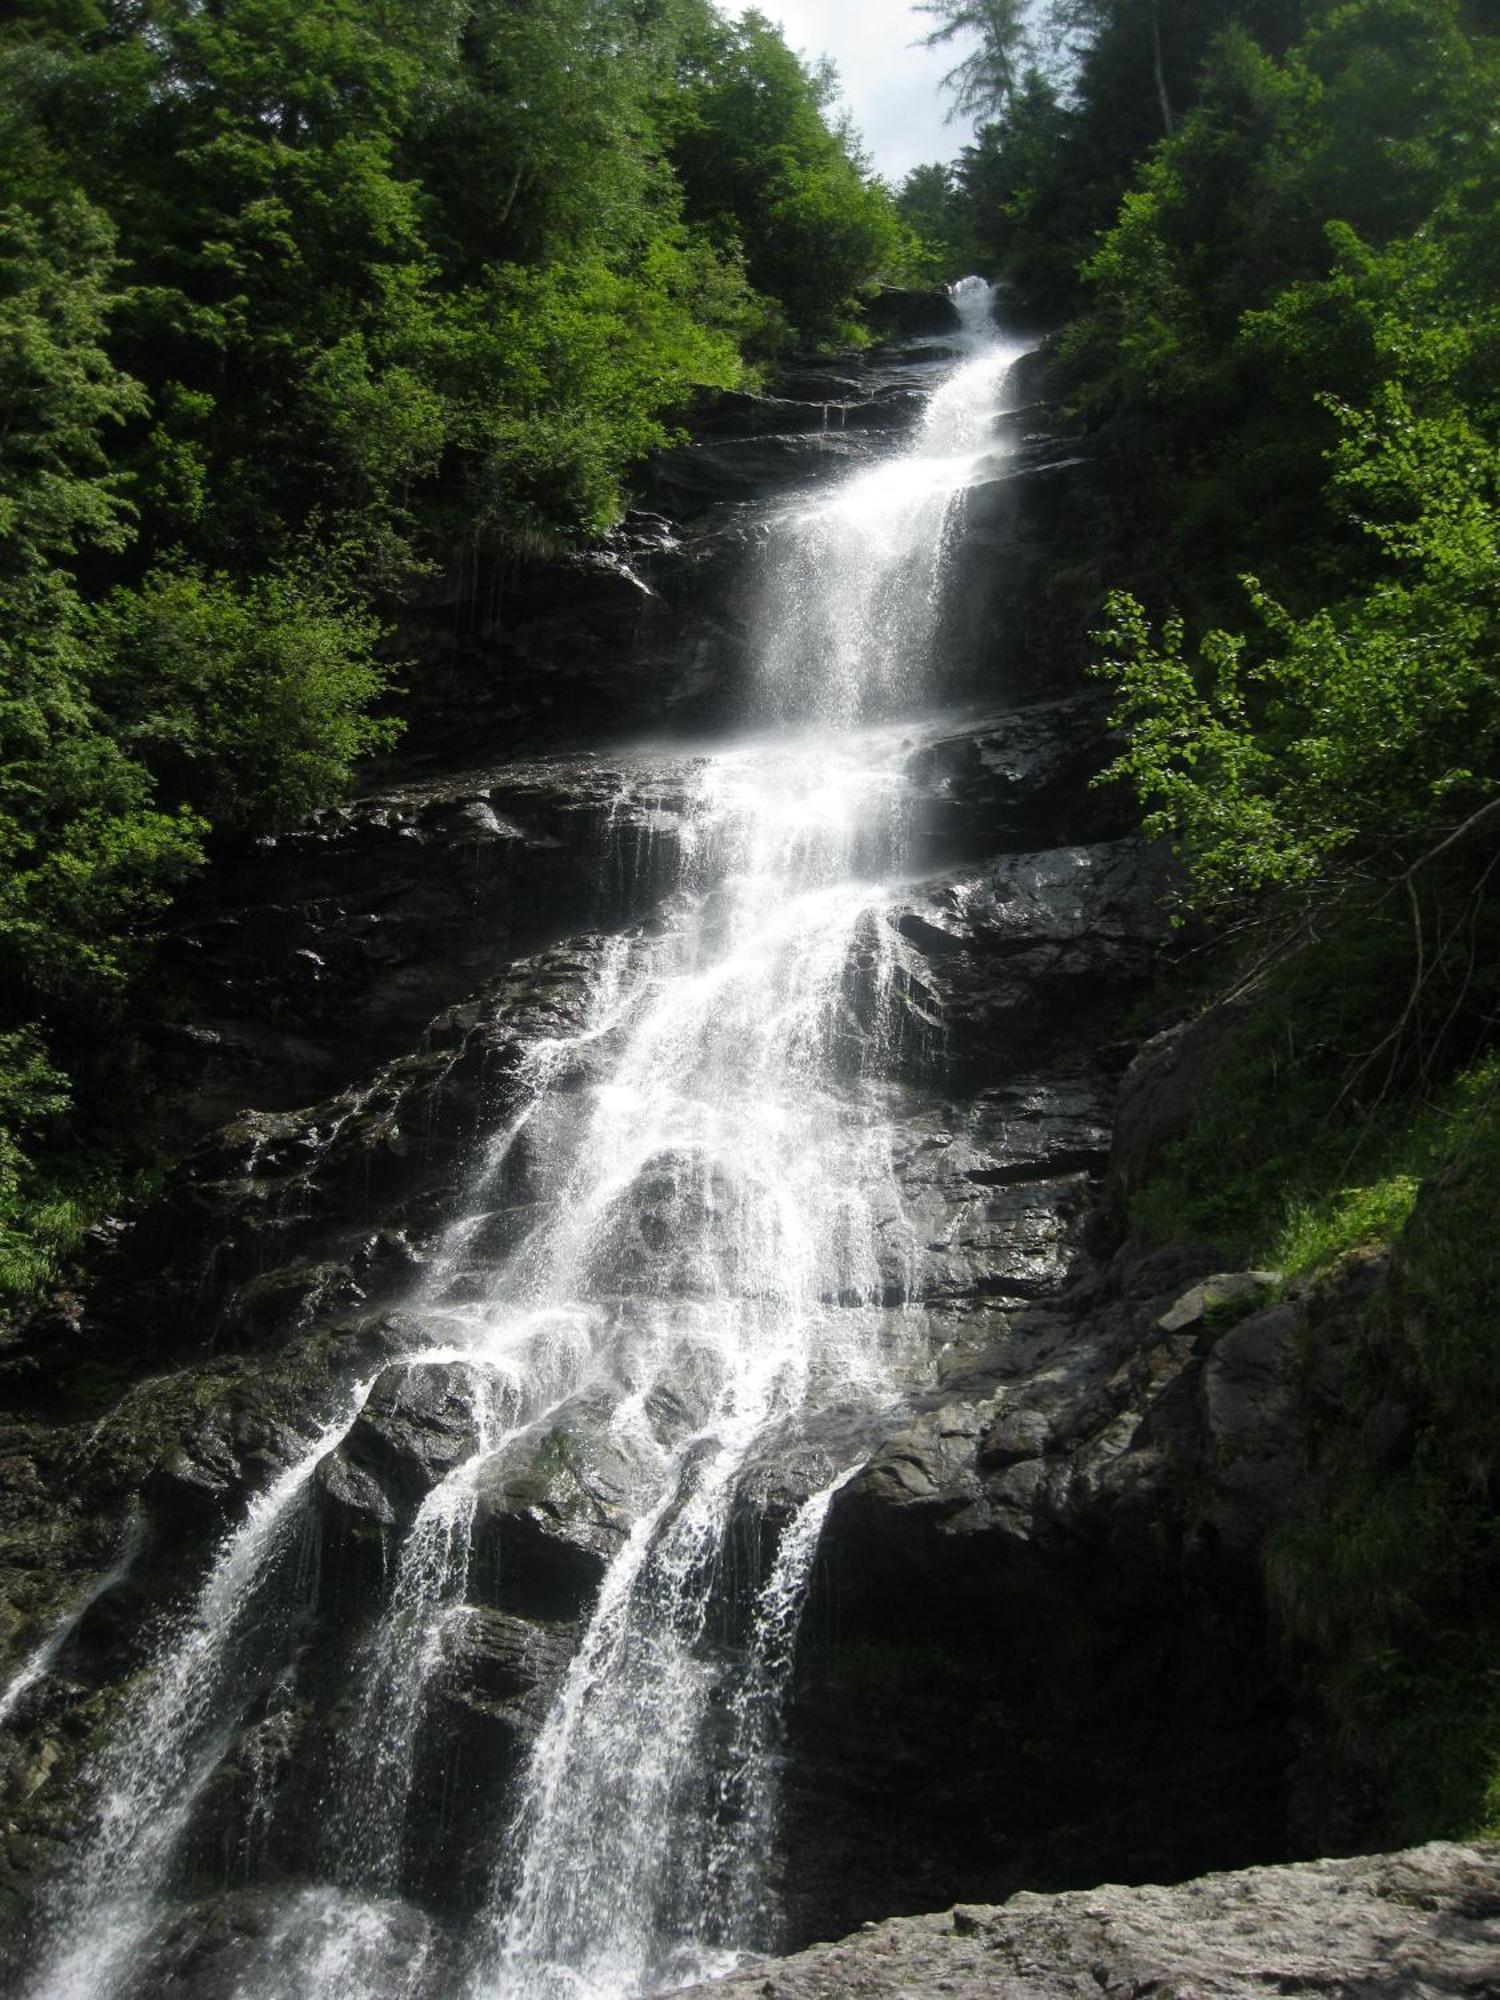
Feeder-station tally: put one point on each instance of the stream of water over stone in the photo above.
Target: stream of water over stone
(717, 1250)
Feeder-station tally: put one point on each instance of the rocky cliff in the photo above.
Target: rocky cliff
(1037, 1652)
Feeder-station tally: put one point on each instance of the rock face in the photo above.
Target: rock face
(1422, 1925)
(1043, 1580)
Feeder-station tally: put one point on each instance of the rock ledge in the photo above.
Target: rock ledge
(1424, 1922)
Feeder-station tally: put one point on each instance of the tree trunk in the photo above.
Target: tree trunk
(1157, 70)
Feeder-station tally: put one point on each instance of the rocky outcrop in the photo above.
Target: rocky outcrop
(231, 1314)
(1420, 1925)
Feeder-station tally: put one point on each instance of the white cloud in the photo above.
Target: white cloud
(890, 86)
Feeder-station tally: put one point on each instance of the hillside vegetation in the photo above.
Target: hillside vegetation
(296, 296)
(1270, 230)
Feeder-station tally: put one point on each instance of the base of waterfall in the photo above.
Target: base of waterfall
(1419, 1923)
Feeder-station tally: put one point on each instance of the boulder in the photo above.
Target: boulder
(1418, 1925)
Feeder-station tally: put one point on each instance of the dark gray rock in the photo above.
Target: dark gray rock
(553, 1509)
(1251, 1416)
(902, 313)
(1037, 950)
(1164, 1085)
(1016, 780)
(1420, 1925)
(1072, 1526)
(493, 1691)
(417, 1424)
(1214, 1296)
(204, 1951)
(333, 946)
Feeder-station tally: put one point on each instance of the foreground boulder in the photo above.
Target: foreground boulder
(1425, 1922)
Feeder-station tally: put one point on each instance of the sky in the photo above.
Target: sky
(890, 87)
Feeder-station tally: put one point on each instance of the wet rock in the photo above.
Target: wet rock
(418, 1422)
(709, 472)
(1017, 779)
(903, 313)
(281, 1221)
(332, 946)
(1056, 1524)
(504, 1667)
(1035, 948)
(1014, 570)
(493, 1692)
(1021, 1129)
(287, 1936)
(552, 1510)
(1419, 1925)
(1005, 1241)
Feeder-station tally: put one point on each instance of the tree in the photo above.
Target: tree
(84, 851)
(983, 82)
(763, 172)
(1354, 725)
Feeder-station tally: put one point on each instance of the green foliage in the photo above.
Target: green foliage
(558, 379)
(296, 296)
(1361, 735)
(31, 1091)
(35, 1228)
(248, 704)
(1319, 1120)
(84, 852)
(1246, 290)
(1315, 1235)
(87, 856)
(763, 172)
(926, 202)
(1353, 731)
(59, 388)
(1387, 1581)
(1018, 214)
(1076, 94)
(985, 79)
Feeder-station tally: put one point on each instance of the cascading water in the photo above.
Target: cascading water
(168, 1742)
(722, 1251)
(41, 1661)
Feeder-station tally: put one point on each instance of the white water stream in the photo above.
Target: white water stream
(166, 1744)
(722, 1250)
(41, 1661)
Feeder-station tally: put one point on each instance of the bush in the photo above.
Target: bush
(250, 703)
(1388, 1583)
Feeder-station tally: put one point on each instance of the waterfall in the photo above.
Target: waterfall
(721, 1253)
(40, 1662)
(746, 1102)
(165, 1746)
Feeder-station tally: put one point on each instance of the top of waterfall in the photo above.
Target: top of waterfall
(974, 299)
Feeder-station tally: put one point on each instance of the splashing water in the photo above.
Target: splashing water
(745, 1105)
(721, 1251)
(744, 1829)
(40, 1662)
(169, 1740)
(854, 581)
